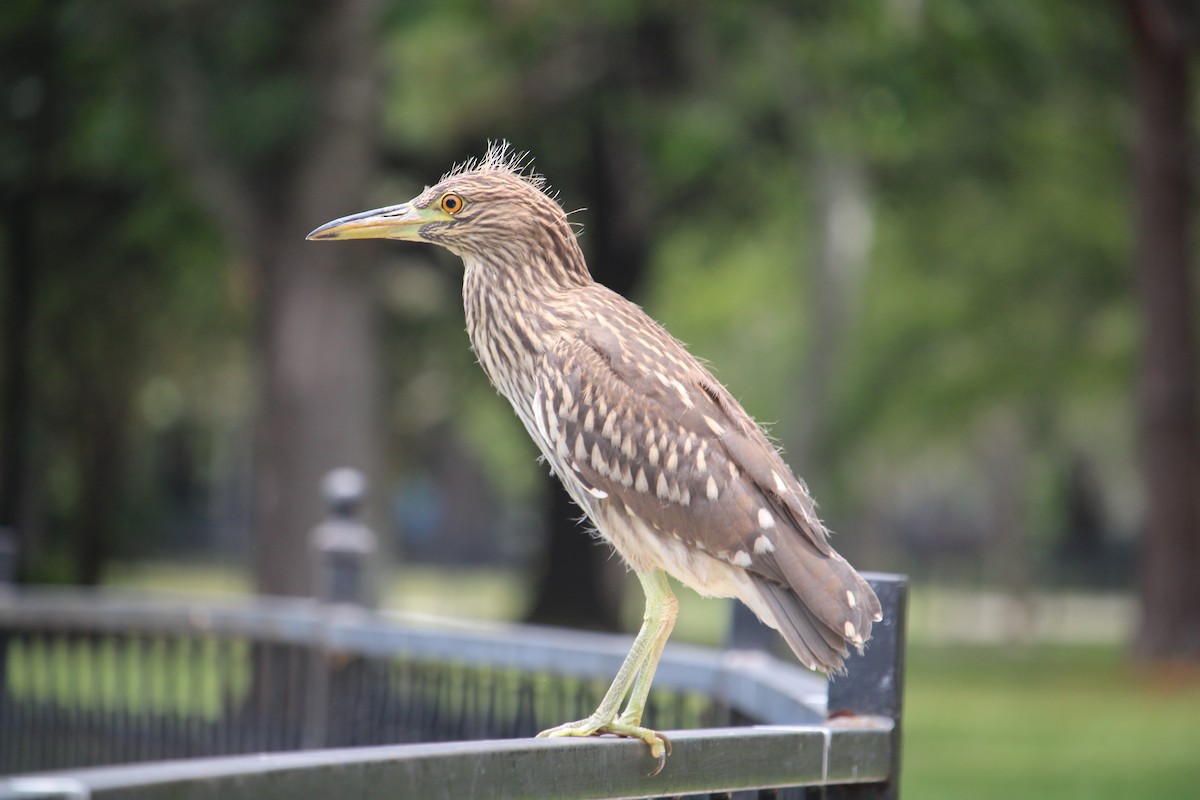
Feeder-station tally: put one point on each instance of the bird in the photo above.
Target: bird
(664, 462)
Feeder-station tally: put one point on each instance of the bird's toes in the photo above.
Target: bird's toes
(591, 726)
(660, 745)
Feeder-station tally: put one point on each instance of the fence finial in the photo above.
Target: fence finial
(343, 545)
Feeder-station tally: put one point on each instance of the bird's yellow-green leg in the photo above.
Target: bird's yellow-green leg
(635, 675)
(666, 608)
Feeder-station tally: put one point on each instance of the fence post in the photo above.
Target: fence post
(874, 683)
(8, 556)
(748, 632)
(8, 576)
(344, 545)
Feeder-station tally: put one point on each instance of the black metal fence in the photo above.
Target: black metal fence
(90, 679)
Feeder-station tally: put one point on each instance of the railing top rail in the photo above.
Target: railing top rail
(854, 750)
(754, 683)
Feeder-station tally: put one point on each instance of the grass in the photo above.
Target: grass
(176, 577)
(1048, 721)
(471, 593)
(1043, 720)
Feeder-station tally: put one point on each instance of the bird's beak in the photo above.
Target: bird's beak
(394, 222)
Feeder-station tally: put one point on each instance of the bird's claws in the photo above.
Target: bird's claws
(660, 749)
(660, 745)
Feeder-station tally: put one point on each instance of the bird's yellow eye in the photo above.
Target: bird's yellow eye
(452, 203)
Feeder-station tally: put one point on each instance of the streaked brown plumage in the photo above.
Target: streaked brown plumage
(662, 459)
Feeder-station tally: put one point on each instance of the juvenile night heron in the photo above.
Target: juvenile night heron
(662, 459)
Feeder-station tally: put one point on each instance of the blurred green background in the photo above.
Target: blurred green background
(942, 248)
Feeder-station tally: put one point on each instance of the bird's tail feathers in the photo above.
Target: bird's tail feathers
(825, 608)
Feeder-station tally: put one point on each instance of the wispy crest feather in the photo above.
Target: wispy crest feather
(503, 157)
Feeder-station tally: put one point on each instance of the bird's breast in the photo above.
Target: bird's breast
(510, 332)
(504, 334)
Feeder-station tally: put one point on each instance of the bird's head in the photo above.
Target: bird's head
(479, 209)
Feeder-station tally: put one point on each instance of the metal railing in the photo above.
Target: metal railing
(92, 679)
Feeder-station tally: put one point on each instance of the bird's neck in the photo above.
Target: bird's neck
(542, 256)
(517, 306)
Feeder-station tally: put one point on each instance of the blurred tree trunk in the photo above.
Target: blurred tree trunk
(317, 364)
(845, 228)
(15, 420)
(1003, 457)
(581, 579)
(572, 588)
(103, 408)
(1168, 425)
(30, 59)
(317, 356)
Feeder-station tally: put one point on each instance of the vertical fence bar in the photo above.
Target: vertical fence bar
(874, 683)
(8, 569)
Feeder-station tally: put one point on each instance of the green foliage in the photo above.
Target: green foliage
(122, 262)
(729, 293)
(992, 136)
(138, 676)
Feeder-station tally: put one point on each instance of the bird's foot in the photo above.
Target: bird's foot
(660, 746)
